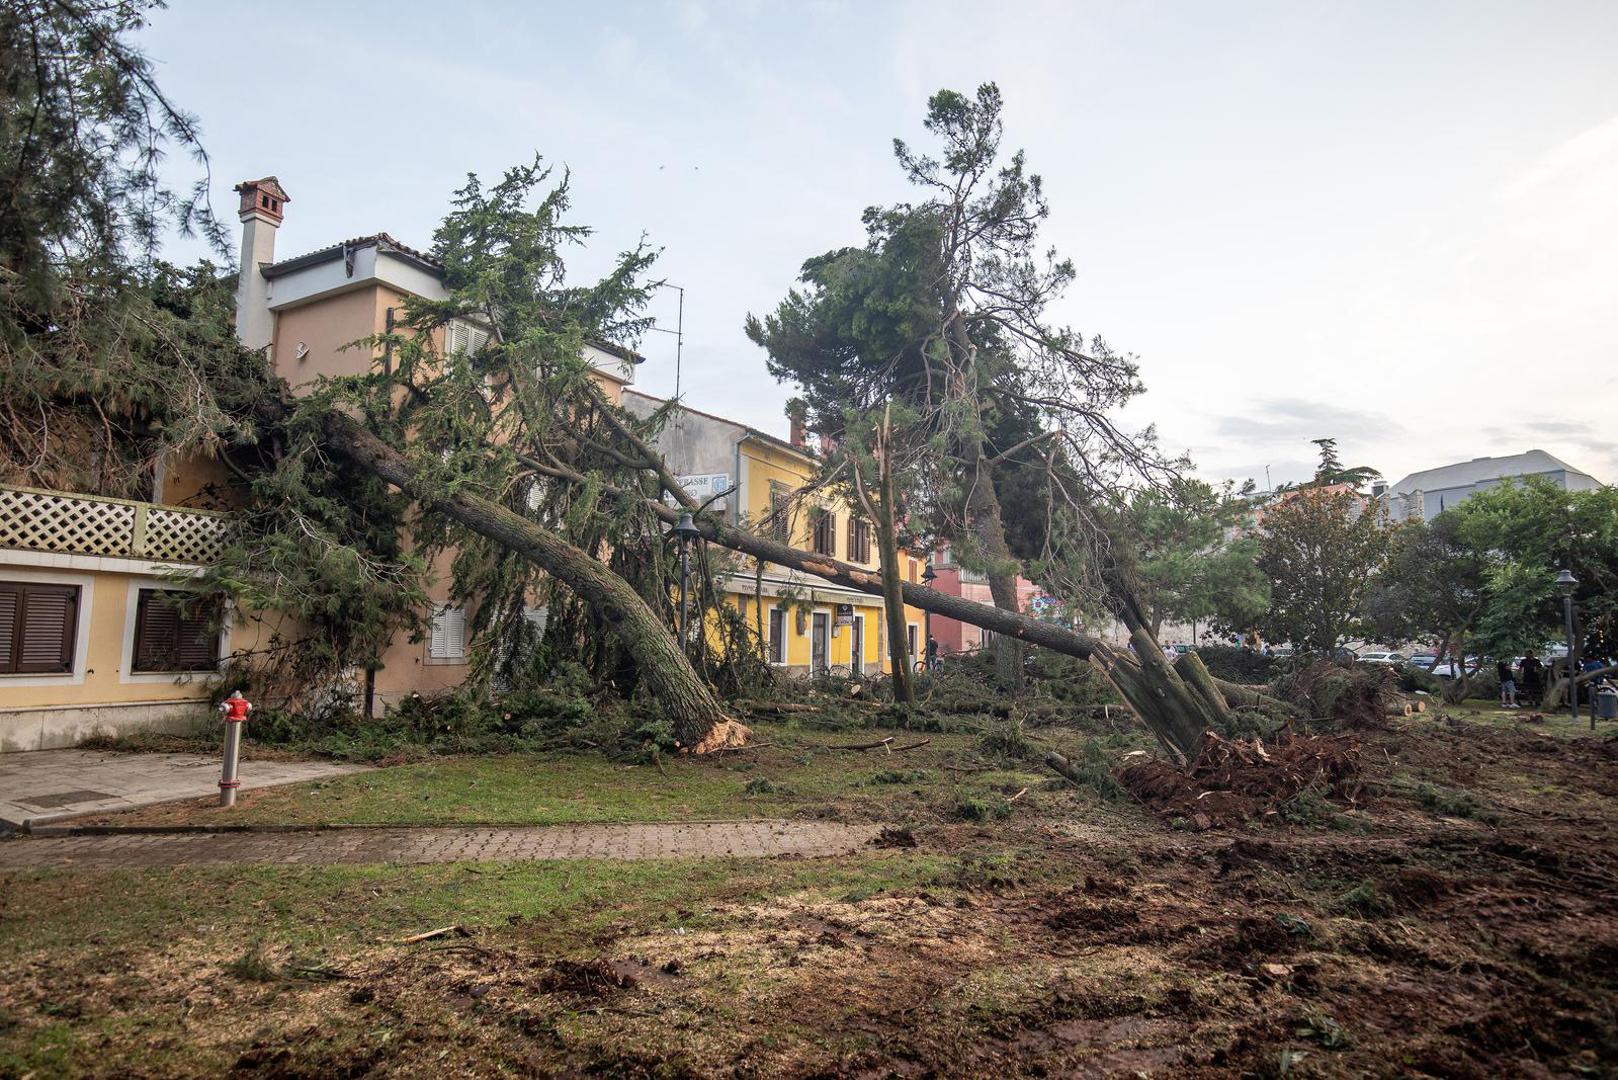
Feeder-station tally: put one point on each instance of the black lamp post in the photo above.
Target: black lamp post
(1565, 584)
(927, 578)
(685, 532)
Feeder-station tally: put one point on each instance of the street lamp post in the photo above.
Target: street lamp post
(1565, 584)
(927, 578)
(685, 532)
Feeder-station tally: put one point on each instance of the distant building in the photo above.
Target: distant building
(954, 636)
(1424, 495)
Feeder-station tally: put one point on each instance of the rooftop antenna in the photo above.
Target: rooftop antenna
(678, 332)
(1267, 483)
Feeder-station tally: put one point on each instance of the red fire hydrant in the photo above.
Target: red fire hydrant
(235, 708)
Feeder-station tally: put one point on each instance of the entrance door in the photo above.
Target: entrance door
(856, 643)
(819, 637)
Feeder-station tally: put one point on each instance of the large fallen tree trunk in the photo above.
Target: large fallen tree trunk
(1175, 710)
(699, 721)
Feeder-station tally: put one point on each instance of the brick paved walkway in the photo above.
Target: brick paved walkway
(436, 845)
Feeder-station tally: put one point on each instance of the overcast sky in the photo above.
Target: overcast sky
(1393, 224)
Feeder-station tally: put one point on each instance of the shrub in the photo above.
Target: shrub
(990, 808)
(1363, 898)
(1094, 772)
(1008, 741)
(1454, 803)
(898, 776)
(1235, 664)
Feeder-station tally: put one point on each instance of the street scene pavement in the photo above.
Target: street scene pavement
(50, 785)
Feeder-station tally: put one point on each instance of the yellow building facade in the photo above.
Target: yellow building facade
(808, 624)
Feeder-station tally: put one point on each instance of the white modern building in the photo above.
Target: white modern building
(1424, 495)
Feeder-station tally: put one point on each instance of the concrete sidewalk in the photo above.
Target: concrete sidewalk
(39, 786)
(669, 840)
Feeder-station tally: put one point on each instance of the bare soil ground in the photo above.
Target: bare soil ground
(1460, 918)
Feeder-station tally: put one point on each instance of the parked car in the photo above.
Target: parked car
(1391, 659)
(1471, 666)
(1423, 661)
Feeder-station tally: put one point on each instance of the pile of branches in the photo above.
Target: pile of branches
(1237, 779)
(1353, 697)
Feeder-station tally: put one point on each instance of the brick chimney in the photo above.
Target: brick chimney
(799, 435)
(262, 208)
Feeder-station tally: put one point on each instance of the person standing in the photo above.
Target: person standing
(1508, 685)
(1533, 679)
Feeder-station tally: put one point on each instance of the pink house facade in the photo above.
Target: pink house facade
(952, 635)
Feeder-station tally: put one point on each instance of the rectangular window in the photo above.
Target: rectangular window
(447, 640)
(778, 635)
(38, 628)
(462, 336)
(819, 643)
(825, 531)
(175, 631)
(910, 639)
(859, 540)
(780, 513)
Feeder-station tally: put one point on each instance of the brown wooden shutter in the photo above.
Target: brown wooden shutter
(46, 624)
(166, 640)
(10, 603)
(156, 631)
(198, 647)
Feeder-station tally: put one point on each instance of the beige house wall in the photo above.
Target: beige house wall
(101, 693)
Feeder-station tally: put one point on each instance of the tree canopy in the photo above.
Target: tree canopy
(108, 357)
(1320, 550)
(1193, 561)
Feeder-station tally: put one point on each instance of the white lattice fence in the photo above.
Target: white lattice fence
(183, 536)
(48, 521)
(36, 520)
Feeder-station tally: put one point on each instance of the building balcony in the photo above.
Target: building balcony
(61, 523)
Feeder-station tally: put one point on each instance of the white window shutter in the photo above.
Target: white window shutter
(476, 339)
(448, 641)
(436, 644)
(455, 634)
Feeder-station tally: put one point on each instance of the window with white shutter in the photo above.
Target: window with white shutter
(447, 640)
(462, 337)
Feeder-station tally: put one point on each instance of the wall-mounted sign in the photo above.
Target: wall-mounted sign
(845, 614)
(704, 486)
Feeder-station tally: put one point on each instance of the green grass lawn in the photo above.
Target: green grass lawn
(225, 952)
(787, 773)
(1064, 934)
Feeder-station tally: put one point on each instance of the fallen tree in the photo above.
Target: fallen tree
(699, 721)
(1178, 703)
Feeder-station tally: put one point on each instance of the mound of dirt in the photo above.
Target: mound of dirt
(590, 978)
(1357, 697)
(1236, 779)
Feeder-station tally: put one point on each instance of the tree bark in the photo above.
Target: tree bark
(885, 521)
(893, 608)
(982, 512)
(699, 722)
